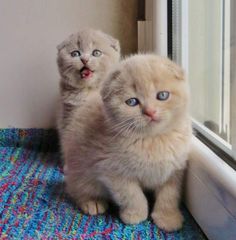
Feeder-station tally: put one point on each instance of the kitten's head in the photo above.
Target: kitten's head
(85, 57)
(145, 94)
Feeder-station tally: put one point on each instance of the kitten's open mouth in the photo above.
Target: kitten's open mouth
(86, 73)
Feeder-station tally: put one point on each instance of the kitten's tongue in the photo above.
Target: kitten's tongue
(86, 73)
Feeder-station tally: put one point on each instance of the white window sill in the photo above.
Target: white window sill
(210, 193)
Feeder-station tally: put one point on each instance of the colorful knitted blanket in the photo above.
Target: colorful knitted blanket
(33, 204)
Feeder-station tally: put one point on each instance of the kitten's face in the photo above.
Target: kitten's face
(149, 95)
(85, 57)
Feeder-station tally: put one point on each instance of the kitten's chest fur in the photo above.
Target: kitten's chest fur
(151, 161)
(75, 98)
(70, 101)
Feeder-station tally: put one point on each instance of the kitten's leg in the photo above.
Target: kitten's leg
(130, 198)
(166, 213)
(88, 195)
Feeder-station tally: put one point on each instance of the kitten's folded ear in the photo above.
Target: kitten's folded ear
(109, 87)
(66, 41)
(61, 46)
(115, 44)
(176, 70)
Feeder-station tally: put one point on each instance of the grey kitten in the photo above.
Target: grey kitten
(83, 61)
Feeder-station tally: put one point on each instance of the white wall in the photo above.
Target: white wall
(29, 33)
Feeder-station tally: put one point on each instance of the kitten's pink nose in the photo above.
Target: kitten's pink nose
(149, 112)
(84, 60)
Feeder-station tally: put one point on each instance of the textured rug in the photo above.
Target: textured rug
(33, 204)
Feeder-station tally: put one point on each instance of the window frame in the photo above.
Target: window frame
(233, 75)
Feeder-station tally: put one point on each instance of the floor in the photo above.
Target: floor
(33, 204)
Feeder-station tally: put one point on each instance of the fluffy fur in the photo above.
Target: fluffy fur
(115, 151)
(74, 89)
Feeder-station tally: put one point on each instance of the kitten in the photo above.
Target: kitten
(83, 61)
(134, 137)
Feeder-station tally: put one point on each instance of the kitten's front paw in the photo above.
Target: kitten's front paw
(168, 220)
(133, 216)
(94, 207)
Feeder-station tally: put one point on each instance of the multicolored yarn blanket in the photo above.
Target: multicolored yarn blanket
(33, 204)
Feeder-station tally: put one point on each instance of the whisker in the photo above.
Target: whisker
(68, 68)
(122, 130)
(118, 127)
(134, 128)
(122, 122)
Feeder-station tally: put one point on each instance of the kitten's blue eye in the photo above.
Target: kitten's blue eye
(75, 53)
(132, 102)
(162, 96)
(96, 53)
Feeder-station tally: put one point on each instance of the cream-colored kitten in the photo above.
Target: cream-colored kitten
(84, 59)
(135, 137)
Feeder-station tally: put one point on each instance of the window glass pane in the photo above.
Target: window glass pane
(208, 55)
